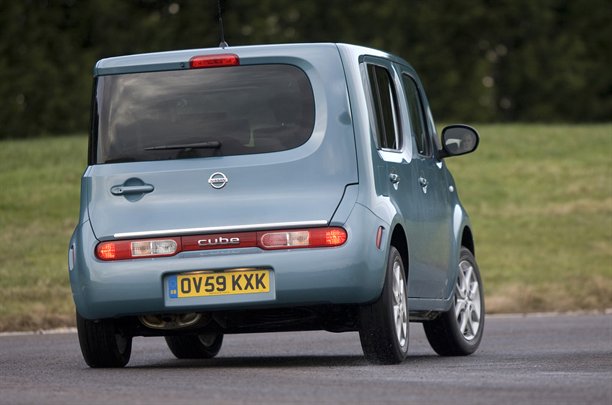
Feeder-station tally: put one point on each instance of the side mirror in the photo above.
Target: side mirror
(458, 140)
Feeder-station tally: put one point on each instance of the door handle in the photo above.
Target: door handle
(127, 190)
(423, 181)
(394, 178)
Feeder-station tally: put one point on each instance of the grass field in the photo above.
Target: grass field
(540, 198)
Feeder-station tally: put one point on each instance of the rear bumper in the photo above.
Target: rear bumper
(350, 274)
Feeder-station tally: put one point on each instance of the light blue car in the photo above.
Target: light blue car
(270, 188)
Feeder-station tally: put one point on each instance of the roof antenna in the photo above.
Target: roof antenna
(222, 44)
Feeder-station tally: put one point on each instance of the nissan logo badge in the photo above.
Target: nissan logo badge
(217, 180)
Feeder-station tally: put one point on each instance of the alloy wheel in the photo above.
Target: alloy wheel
(468, 310)
(400, 308)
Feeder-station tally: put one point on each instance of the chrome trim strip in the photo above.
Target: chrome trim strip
(217, 229)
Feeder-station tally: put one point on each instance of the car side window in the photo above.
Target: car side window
(384, 101)
(415, 111)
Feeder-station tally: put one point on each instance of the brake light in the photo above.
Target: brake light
(335, 237)
(211, 61)
(107, 251)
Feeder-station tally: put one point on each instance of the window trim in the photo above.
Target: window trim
(95, 146)
(424, 121)
(372, 109)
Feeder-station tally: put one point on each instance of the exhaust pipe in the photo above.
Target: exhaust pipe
(170, 321)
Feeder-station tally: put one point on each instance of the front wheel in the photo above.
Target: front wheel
(102, 344)
(458, 331)
(195, 346)
(383, 329)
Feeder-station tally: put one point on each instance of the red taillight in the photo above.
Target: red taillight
(135, 249)
(107, 251)
(211, 61)
(335, 237)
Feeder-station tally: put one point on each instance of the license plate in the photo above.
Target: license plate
(213, 284)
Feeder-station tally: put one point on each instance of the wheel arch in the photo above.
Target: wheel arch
(399, 240)
(467, 240)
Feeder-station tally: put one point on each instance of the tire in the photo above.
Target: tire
(458, 331)
(102, 344)
(384, 326)
(195, 346)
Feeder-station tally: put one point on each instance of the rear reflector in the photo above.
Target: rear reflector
(379, 235)
(211, 61)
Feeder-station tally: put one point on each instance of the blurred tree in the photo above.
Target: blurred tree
(480, 60)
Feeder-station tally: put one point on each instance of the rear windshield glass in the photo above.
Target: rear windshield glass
(200, 113)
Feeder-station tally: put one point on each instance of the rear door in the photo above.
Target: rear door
(249, 146)
(398, 171)
(409, 173)
(431, 195)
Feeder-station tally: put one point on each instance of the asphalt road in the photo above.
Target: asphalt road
(522, 360)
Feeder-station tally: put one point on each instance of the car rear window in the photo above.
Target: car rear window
(200, 113)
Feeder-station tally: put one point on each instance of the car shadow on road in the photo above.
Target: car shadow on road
(280, 362)
(262, 362)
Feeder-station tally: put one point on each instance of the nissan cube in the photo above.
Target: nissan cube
(265, 189)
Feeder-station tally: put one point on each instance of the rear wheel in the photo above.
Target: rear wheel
(383, 329)
(102, 344)
(204, 346)
(458, 331)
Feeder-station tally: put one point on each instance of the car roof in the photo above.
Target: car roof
(179, 59)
